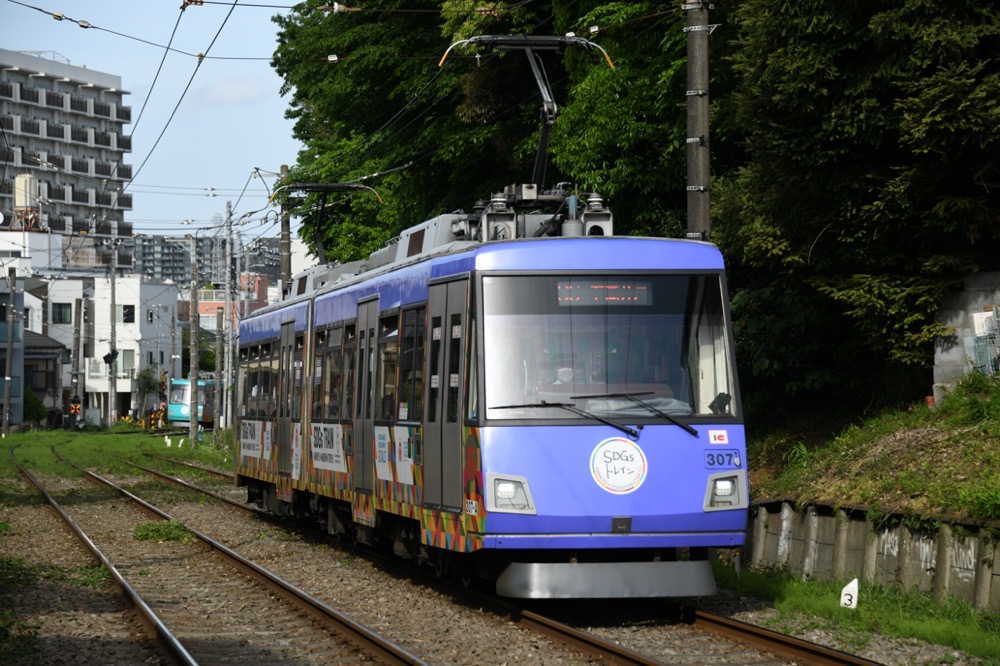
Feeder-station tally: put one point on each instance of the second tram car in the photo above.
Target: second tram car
(179, 402)
(523, 398)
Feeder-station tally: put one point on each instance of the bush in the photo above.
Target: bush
(34, 409)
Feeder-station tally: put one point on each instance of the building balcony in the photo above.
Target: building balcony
(55, 99)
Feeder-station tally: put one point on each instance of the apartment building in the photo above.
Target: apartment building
(64, 154)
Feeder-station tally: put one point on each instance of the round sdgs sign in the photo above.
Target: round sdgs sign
(618, 465)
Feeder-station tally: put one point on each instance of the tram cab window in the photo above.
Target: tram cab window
(636, 344)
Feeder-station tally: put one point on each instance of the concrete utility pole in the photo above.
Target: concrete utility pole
(698, 167)
(172, 367)
(193, 369)
(224, 389)
(76, 356)
(9, 369)
(286, 239)
(113, 381)
(219, 392)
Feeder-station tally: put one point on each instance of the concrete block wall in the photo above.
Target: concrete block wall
(828, 543)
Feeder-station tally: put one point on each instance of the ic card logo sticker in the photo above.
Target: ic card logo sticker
(718, 436)
(618, 465)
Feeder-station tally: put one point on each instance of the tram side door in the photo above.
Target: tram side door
(285, 387)
(364, 412)
(447, 310)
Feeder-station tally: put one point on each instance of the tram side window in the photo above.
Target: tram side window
(454, 363)
(350, 367)
(411, 367)
(297, 379)
(256, 382)
(472, 406)
(269, 380)
(318, 394)
(242, 375)
(334, 377)
(327, 383)
(388, 353)
(434, 392)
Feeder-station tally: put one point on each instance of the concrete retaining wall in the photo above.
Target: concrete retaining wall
(825, 543)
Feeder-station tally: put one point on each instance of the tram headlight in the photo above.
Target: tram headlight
(726, 490)
(505, 489)
(723, 487)
(509, 494)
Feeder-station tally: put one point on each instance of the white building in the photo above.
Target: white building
(145, 332)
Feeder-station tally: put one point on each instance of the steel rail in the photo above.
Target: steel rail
(367, 639)
(208, 470)
(581, 641)
(803, 652)
(182, 482)
(149, 617)
(800, 650)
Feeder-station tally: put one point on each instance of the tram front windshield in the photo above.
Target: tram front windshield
(625, 346)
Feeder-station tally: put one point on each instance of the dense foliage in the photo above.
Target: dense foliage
(853, 150)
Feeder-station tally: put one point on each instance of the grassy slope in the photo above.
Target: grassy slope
(941, 462)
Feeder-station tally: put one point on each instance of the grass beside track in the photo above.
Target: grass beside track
(884, 610)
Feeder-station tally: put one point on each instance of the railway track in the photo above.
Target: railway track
(206, 603)
(687, 635)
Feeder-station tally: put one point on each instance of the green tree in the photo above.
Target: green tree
(34, 408)
(430, 138)
(206, 352)
(869, 132)
(148, 384)
(622, 131)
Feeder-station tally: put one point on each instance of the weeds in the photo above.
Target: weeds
(944, 460)
(18, 638)
(162, 530)
(886, 610)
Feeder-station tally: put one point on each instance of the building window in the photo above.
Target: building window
(62, 313)
(125, 314)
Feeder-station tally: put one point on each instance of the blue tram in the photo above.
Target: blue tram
(179, 402)
(523, 398)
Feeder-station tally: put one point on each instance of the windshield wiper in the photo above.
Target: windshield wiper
(641, 403)
(631, 432)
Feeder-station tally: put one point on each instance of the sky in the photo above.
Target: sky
(227, 138)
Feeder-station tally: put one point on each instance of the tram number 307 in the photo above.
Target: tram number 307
(722, 459)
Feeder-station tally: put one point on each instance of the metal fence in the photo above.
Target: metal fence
(982, 350)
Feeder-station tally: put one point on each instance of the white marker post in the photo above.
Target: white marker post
(849, 595)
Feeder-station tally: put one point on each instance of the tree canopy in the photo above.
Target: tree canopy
(853, 152)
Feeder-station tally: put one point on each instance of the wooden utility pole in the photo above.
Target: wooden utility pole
(9, 369)
(698, 167)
